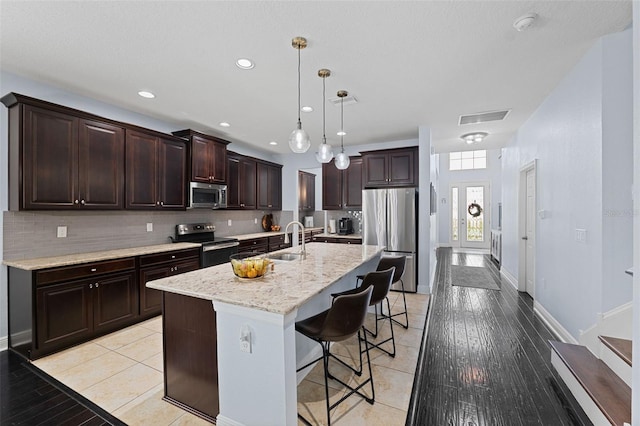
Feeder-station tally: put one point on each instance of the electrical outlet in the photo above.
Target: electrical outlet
(581, 235)
(245, 339)
(229, 222)
(149, 227)
(245, 347)
(255, 220)
(62, 232)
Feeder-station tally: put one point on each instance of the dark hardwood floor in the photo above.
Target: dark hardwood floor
(485, 359)
(30, 397)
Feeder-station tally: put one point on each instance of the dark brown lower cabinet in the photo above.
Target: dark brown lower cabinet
(69, 313)
(190, 354)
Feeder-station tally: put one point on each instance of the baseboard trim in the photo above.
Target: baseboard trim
(510, 278)
(4, 343)
(556, 328)
(226, 421)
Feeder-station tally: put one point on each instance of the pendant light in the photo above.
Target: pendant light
(325, 151)
(299, 140)
(342, 159)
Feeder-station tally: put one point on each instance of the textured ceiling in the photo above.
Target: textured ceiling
(409, 63)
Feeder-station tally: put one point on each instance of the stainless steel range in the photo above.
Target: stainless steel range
(214, 250)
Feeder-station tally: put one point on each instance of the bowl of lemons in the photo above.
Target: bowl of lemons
(250, 265)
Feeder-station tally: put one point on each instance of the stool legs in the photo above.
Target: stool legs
(391, 353)
(406, 315)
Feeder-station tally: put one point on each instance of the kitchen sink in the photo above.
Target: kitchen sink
(286, 256)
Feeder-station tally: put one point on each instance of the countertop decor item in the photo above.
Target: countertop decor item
(249, 265)
(267, 221)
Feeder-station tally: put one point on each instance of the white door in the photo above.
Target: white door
(529, 237)
(469, 213)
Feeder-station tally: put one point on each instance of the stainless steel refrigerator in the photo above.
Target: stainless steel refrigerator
(390, 219)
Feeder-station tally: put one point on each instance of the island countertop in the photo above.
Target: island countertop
(281, 291)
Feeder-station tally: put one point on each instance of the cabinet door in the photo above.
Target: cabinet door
(142, 170)
(264, 191)
(218, 153)
(331, 187)
(151, 299)
(352, 185)
(172, 156)
(233, 182)
(402, 168)
(100, 165)
(50, 160)
(247, 184)
(275, 187)
(115, 301)
(375, 170)
(200, 160)
(306, 191)
(64, 314)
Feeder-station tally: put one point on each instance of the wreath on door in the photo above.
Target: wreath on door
(474, 209)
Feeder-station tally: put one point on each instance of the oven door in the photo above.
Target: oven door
(216, 254)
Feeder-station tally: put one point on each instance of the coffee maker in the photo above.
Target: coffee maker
(345, 226)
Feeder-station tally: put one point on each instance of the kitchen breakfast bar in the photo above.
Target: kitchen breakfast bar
(249, 332)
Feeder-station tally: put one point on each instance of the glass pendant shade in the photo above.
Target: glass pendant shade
(299, 141)
(342, 161)
(325, 153)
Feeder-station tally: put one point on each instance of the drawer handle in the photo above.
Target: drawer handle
(90, 285)
(97, 284)
(94, 269)
(173, 256)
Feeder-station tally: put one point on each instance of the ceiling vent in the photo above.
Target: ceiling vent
(483, 117)
(348, 100)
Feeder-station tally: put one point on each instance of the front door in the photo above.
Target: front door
(469, 213)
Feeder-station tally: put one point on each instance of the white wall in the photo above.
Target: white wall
(570, 136)
(492, 174)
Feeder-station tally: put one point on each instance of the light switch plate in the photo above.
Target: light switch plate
(62, 232)
(229, 222)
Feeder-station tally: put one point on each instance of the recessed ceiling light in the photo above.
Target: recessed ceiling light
(341, 133)
(146, 94)
(225, 124)
(273, 143)
(524, 22)
(244, 63)
(306, 109)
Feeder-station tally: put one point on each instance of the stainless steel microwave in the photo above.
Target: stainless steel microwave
(207, 196)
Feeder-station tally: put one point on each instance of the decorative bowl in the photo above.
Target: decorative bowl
(275, 227)
(250, 265)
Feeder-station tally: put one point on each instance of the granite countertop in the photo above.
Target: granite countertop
(355, 236)
(269, 233)
(96, 256)
(279, 291)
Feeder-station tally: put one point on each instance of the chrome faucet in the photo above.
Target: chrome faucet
(303, 252)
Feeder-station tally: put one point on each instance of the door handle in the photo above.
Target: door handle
(525, 238)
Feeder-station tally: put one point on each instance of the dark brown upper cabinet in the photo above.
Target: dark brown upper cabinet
(306, 191)
(61, 159)
(269, 183)
(241, 182)
(208, 156)
(342, 189)
(156, 170)
(390, 168)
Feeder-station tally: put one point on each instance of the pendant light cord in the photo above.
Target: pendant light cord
(342, 123)
(324, 133)
(299, 83)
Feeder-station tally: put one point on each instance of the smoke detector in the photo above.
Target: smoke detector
(524, 22)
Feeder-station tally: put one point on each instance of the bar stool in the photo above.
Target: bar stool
(381, 282)
(343, 320)
(398, 262)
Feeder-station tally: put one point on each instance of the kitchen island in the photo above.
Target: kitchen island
(258, 386)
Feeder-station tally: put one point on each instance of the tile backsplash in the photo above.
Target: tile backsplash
(34, 234)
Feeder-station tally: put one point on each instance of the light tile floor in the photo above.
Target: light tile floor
(122, 373)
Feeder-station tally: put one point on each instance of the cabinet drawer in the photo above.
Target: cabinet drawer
(84, 270)
(170, 256)
(256, 244)
(350, 240)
